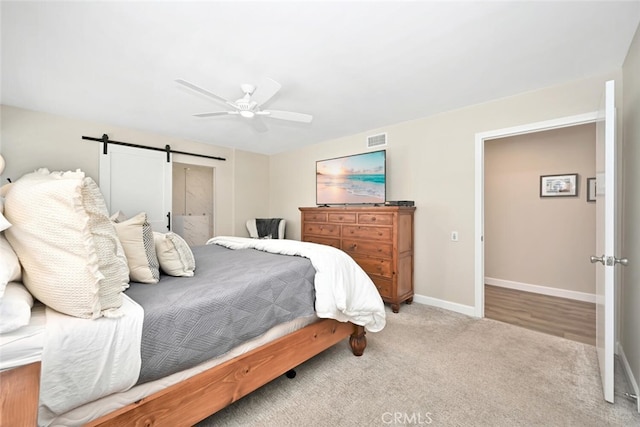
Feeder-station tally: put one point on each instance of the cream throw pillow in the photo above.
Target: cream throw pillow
(71, 257)
(174, 254)
(136, 236)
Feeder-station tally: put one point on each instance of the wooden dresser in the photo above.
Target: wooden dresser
(379, 239)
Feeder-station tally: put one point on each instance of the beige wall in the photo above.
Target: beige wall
(630, 292)
(534, 240)
(431, 161)
(31, 140)
(251, 189)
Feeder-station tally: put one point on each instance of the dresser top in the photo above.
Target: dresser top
(358, 208)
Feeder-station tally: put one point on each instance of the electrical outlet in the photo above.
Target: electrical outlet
(454, 236)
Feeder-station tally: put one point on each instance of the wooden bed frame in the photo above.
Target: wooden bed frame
(19, 391)
(204, 394)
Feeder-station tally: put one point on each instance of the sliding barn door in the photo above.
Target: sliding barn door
(136, 180)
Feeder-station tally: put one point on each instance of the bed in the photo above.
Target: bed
(154, 370)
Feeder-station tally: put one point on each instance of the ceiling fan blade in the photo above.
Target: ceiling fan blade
(258, 124)
(203, 91)
(288, 115)
(265, 90)
(215, 113)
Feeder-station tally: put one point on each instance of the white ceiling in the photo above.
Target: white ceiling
(355, 66)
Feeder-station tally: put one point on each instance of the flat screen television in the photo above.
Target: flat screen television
(349, 180)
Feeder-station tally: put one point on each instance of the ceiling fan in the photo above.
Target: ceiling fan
(250, 105)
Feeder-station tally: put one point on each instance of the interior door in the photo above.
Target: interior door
(606, 238)
(135, 180)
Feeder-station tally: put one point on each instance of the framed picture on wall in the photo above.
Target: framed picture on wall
(559, 185)
(591, 189)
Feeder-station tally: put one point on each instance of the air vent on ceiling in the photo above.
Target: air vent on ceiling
(377, 140)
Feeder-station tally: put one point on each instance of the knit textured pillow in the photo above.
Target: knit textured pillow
(71, 257)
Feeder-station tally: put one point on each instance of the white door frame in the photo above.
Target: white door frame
(479, 184)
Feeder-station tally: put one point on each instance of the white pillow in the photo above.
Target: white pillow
(4, 224)
(136, 236)
(71, 257)
(10, 270)
(15, 308)
(174, 254)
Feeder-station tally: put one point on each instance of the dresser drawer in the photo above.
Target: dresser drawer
(384, 286)
(320, 229)
(374, 233)
(315, 217)
(354, 247)
(323, 241)
(349, 218)
(375, 266)
(375, 218)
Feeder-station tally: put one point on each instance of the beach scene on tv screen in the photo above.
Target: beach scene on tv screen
(352, 179)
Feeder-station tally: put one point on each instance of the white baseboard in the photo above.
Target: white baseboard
(447, 305)
(544, 290)
(629, 373)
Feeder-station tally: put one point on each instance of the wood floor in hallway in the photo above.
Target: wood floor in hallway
(567, 318)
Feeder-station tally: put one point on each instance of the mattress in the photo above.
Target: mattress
(24, 345)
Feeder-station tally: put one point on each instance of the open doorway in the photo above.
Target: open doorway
(192, 202)
(537, 245)
(481, 140)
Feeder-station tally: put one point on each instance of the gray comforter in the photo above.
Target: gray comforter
(235, 295)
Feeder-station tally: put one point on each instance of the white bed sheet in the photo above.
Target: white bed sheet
(86, 359)
(107, 404)
(24, 345)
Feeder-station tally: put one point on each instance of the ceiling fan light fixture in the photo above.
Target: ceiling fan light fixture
(247, 114)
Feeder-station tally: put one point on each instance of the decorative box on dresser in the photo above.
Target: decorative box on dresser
(378, 238)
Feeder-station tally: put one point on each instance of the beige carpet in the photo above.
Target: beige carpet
(435, 367)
